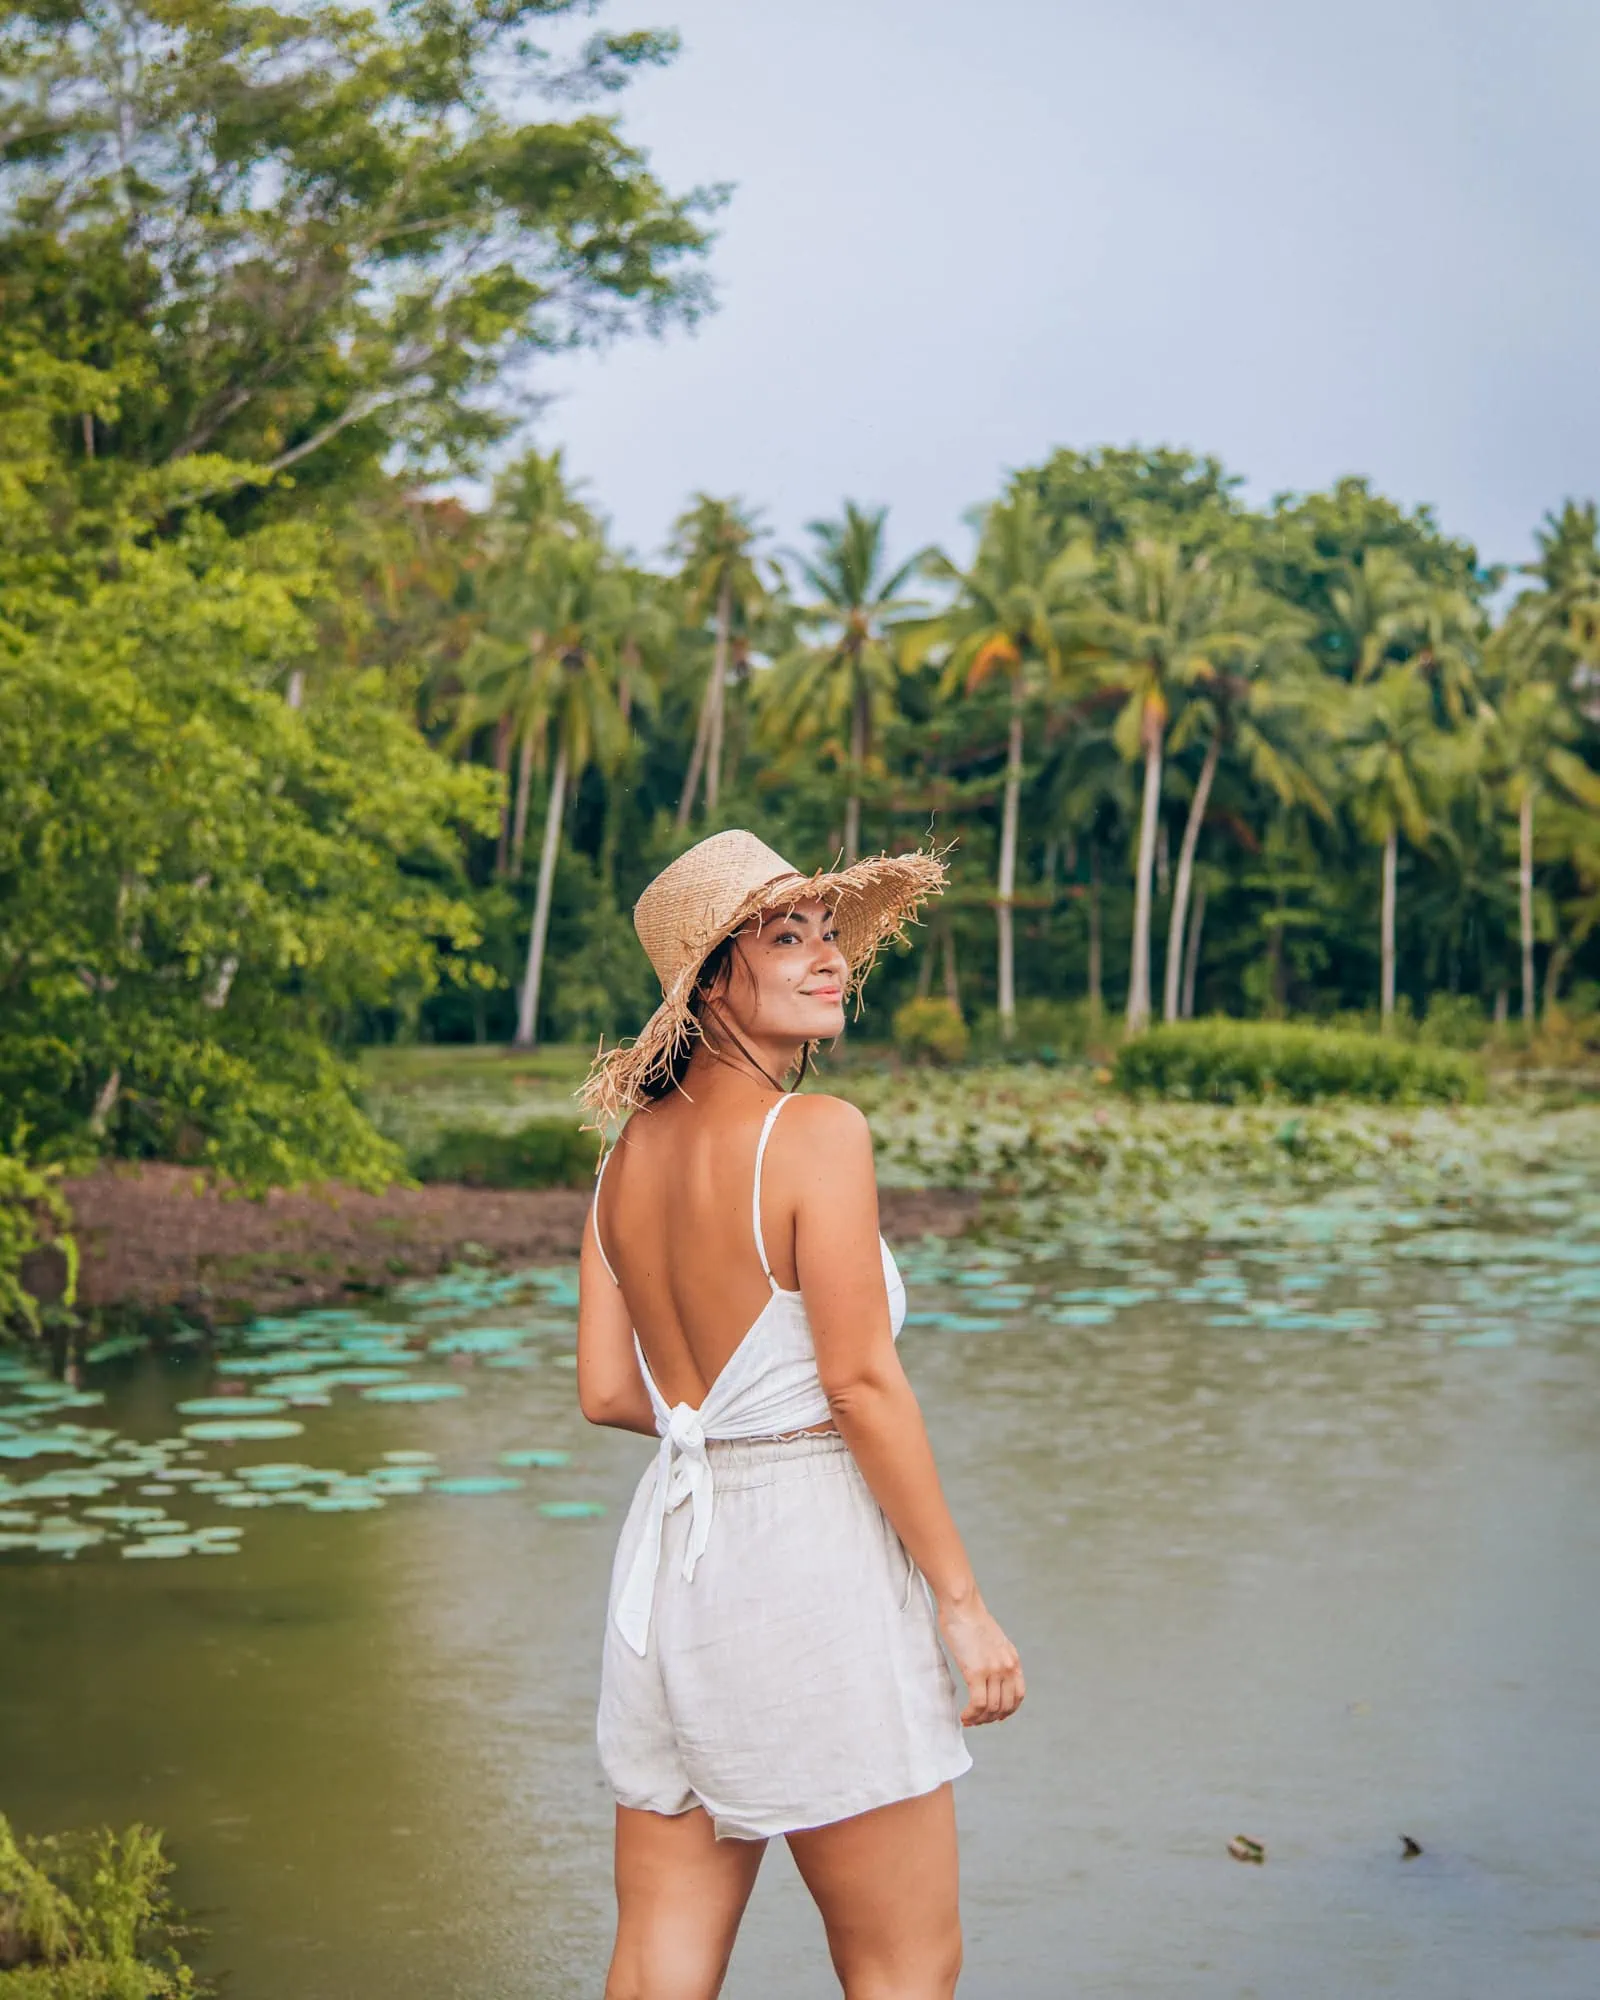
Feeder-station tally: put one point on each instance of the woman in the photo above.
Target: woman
(771, 1665)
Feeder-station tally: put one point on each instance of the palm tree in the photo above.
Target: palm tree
(714, 542)
(1373, 605)
(844, 681)
(1012, 616)
(549, 660)
(1246, 708)
(1391, 751)
(1530, 727)
(534, 504)
(1168, 620)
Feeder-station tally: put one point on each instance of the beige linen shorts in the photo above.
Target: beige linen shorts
(798, 1678)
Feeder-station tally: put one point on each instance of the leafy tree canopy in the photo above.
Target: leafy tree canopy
(315, 236)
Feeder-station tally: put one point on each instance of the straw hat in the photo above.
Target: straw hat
(710, 892)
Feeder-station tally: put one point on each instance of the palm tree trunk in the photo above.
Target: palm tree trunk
(528, 1007)
(1554, 971)
(1180, 894)
(1139, 972)
(295, 693)
(519, 824)
(719, 706)
(858, 754)
(1191, 965)
(697, 756)
(502, 764)
(952, 976)
(1525, 897)
(1007, 888)
(1096, 954)
(1391, 855)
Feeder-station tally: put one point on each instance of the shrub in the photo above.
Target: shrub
(546, 1152)
(1229, 1062)
(33, 1219)
(1455, 1021)
(88, 1917)
(1042, 1030)
(930, 1031)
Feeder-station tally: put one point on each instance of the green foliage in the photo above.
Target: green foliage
(546, 1152)
(201, 885)
(930, 1030)
(33, 1216)
(89, 1917)
(1232, 1062)
(1042, 1031)
(311, 236)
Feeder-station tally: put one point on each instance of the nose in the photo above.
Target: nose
(829, 957)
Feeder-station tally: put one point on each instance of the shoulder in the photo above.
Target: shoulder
(828, 1127)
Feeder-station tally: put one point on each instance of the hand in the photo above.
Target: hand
(987, 1659)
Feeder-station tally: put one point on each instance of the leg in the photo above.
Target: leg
(887, 1885)
(680, 1895)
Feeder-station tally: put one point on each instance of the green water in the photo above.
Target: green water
(1299, 1535)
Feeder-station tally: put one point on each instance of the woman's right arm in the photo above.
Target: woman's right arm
(841, 1279)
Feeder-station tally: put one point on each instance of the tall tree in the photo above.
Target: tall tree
(1391, 751)
(1530, 729)
(715, 543)
(1168, 620)
(1012, 618)
(312, 235)
(1243, 709)
(549, 658)
(841, 682)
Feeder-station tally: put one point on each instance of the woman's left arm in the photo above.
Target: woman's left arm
(611, 1390)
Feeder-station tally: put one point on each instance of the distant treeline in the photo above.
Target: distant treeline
(296, 753)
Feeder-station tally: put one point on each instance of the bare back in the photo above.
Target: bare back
(674, 1212)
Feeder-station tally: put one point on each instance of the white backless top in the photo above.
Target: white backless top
(768, 1385)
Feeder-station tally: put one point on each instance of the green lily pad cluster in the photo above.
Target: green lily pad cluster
(68, 1485)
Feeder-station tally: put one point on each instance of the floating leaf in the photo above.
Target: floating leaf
(237, 1430)
(228, 1406)
(571, 1510)
(535, 1456)
(413, 1392)
(485, 1482)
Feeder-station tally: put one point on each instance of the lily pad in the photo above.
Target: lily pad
(535, 1456)
(413, 1392)
(484, 1482)
(229, 1406)
(238, 1430)
(572, 1510)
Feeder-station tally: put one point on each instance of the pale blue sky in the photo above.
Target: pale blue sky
(1310, 239)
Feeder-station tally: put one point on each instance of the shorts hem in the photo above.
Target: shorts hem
(726, 1827)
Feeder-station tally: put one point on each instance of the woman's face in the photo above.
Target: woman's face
(788, 976)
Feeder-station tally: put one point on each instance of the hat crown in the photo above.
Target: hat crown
(696, 900)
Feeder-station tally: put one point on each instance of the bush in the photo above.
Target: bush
(1229, 1062)
(930, 1031)
(546, 1152)
(1455, 1021)
(88, 1917)
(1043, 1031)
(33, 1219)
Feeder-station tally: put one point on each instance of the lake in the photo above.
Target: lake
(1297, 1528)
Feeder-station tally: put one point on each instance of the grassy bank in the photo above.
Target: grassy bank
(89, 1917)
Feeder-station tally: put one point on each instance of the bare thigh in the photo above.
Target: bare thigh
(680, 1895)
(888, 1886)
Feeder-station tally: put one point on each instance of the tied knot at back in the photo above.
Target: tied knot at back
(685, 1430)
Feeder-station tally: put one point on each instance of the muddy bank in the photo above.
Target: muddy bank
(158, 1238)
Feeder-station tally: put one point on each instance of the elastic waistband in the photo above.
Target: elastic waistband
(739, 1462)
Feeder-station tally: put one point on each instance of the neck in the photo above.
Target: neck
(762, 1064)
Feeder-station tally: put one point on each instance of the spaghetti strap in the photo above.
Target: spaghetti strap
(755, 1192)
(600, 1175)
